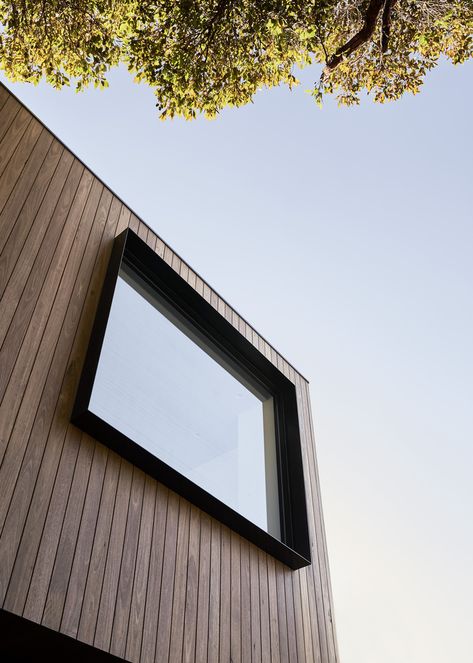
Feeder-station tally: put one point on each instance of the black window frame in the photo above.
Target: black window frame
(294, 547)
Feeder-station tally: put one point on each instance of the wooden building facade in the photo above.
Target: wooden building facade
(91, 546)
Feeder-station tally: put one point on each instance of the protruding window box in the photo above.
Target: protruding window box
(172, 386)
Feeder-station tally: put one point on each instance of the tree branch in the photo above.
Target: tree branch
(363, 35)
(386, 27)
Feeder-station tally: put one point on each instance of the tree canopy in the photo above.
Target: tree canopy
(200, 56)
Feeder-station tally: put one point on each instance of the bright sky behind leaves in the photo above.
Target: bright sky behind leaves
(345, 236)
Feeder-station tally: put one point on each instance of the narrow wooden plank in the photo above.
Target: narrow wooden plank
(227, 313)
(25, 199)
(151, 239)
(123, 220)
(153, 595)
(103, 630)
(282, 619)
(138, 598)
(241, 326)
(142, 231)
(225, 590)
(280, 363)
(245, 596)
(221, 306)
(276, 359)
(163, 635)
(261, 344)
(214, 601)
(273, 611)
(206, 292)
(256, 339)
(264, 606)
(168, 255)
(190, 614)
(255, 606)
(127, 569)
(299, 625)
(184, 270)
(248, 333)
(290, 617)
(85, 539)
(235, 598)
(60, 576)
(160, 246)
(191, 278)
(214, 299)
(235, 319)
(176, 263)
(288, 370)
(134, 222)
(202, 628)
(180, 584)
(292, 373)
(267, 350)
(91, 601)
(312, 648)
(263, 347)
(199, 285)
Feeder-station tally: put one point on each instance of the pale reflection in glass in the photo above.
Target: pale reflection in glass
(166, 388)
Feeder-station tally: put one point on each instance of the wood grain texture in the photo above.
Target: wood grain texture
(153, 590)
(4, 96)
(192, 587)
(25, 198)
(203, 598)
(106, 613)
(225, 598)
(89, 545)
(98, 555)
(129, 554)
(140, 581)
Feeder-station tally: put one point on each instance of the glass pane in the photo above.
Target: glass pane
(165, 387)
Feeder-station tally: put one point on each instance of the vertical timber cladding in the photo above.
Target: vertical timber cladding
(91, 546)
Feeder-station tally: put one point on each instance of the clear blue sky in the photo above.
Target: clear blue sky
(346, 238)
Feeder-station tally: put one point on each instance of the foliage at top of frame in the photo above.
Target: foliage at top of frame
(200, 56)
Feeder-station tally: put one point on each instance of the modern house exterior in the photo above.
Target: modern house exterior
(159, 495)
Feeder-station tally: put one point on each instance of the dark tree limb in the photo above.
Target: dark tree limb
(366, 32)
(386, 26)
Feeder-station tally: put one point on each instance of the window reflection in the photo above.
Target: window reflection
(163, 385)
